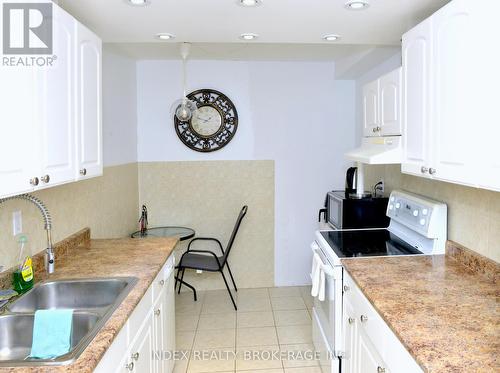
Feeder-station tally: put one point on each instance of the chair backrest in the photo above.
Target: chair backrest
(242, 214)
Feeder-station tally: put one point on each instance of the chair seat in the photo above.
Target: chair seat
(200, 261)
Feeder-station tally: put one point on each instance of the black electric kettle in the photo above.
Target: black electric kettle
(350, 181)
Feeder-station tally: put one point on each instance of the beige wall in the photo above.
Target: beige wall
(107, 204)
(207, 196)
(473, 214)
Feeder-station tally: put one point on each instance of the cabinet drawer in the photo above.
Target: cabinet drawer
(161, 281)
(388, 346)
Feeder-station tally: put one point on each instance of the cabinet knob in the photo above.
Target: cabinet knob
(83, 171)
(424, 169)
(351, 320)
(34, 181)
(162, 282)
(364, 318)
(346, 288)
(135, 356)
(45, 179)
(379, 128)
(130, 366)
(374, 129)
(432, 171)
(380, 370)
(157, 312)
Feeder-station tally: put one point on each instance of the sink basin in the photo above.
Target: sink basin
(16, 333)
(93, 302)
(74, 294)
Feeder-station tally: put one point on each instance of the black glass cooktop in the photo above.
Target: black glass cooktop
(360, 243)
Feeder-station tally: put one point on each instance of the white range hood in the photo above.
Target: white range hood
(378, 150)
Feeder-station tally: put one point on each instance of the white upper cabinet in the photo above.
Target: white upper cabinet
(51, 115)
(450, 76)
(57, 106)
(417, 50)
(382, 106)
(89, 145)
(370, 108)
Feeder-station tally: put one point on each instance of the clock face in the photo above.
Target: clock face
(206, 121)
(212, 126)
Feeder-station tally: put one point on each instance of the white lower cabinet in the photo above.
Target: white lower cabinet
(369, 343)
(147, 340)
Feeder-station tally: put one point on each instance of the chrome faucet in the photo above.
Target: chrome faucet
(49, 251)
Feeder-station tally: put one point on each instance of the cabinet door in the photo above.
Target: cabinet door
(368, 359)
(18, 140)
(370, 109)
(169, 322)
(159, 327)
(350, 326)
(417, 53)
(57, 101)
(142, 349)
(89, 121)
(390, 103)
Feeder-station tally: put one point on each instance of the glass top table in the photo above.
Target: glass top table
(183, 233)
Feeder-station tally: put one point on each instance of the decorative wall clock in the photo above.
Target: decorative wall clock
(212, 126)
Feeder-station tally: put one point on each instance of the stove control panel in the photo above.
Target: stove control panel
(422, 215)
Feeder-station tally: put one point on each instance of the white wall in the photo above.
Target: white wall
(377, 71)
(119, 90)
(294, 113)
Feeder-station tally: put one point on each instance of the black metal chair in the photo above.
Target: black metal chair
(207, 260)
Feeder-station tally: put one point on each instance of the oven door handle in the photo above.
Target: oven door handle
(327, 268)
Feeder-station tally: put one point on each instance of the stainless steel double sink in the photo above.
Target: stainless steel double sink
(93, 301)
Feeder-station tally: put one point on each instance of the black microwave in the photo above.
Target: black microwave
(356, 213)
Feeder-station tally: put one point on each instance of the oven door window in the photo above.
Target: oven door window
(335, 212)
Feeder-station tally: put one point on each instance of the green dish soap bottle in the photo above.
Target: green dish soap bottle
(23, 277)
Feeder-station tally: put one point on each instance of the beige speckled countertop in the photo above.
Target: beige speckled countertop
(141, 258)
(446, 314)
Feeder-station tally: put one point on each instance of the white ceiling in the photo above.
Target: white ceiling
(276, 21)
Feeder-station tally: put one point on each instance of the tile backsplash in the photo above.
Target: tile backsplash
(473, 214)
(107, 204)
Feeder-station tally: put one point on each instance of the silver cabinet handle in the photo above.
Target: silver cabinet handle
(374, 129)
(424, 169)
(135, 356)
(34, 181)
(432, 171)
(363, 318)
(45, 179)
(83, 171)
(130, 366)
(351, 320)
(380, 370)
(379, 128)
(162, 282)
(346, 288)
(157, 312)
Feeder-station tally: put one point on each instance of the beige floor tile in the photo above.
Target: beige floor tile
(193, 308)
(184, 340)
(217, 360)
(257, 292)
(265, 336)
(288, 303)
(180, 366)
(254, 304)
(303, 370)
(186, 322)
(293, 317)
(261, 371)
(289, 291)
(209, 339)
(254, 319)
(223, 306)
(300, 355)
(259, 357)
(217, 321)
(294, 334)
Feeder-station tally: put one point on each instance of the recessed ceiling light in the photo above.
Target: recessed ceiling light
(331, 37)
(357, 4)
(165, 36)
(138, 2)
(249, 3)
(249, 36)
